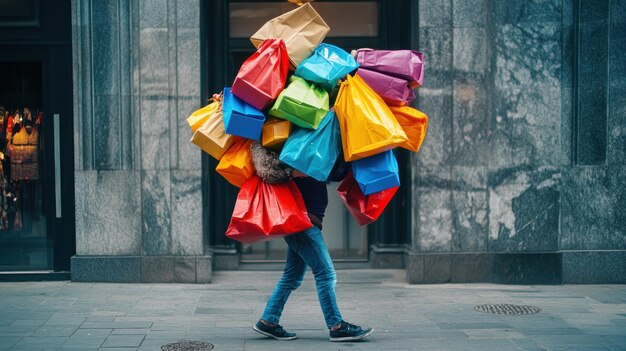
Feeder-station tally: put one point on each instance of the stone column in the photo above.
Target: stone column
(138, 180)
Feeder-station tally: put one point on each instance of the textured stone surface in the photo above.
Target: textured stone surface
(592, 208)
(437, 268)
(414, 268)
(435, 220)
(106, 269)
(435, 13)
(108, 213)
(470, 221)
(157, 269)
(156, 213)
(524, 210)
(471, 268)
(603, 267)
(204, 269)
(186, 213)
(527, 268)
(469, 13)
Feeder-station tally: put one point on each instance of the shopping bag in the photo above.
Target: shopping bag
(265, 211)
(263, 75)
(303, 103)
(404, 64)
(326, 66)
(241, 118)
(376, 173)
(211, 136)
(275, 132)
(302, 29)
(314, 152)
(236, 164)
(364, 208)
(367, 125)
(200, 116)
(414, 123)
(394, 91)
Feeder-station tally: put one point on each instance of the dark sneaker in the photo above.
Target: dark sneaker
(349, 332)
(277, 332)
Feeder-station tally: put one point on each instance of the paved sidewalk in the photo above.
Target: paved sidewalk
(96, 316)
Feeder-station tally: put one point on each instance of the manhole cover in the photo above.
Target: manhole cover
(186, 345)
(505, 308)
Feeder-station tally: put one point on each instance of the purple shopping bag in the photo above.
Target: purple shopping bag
(405, 64)
(395, 91)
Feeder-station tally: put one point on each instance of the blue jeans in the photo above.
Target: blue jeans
(306, 248)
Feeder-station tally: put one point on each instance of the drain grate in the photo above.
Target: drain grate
(186, 345)
(505, 308)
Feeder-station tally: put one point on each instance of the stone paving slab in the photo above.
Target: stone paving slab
(109, 316)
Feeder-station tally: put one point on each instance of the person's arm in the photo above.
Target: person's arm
(268, 166)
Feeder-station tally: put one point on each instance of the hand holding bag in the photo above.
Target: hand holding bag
(236, 165)
(302, 29)
(241, 118)
(266, 211)
(263, 75)
(302, 103)
(314, 152)
(404, 64)
(364, 208)
(367, 125)
(326, 66)
(414, 123)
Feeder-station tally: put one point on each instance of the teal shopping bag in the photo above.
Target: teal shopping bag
(314, 152)
(326, 66)
(376, 173)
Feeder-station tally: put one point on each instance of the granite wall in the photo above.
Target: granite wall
(521, 178)
(138, 193)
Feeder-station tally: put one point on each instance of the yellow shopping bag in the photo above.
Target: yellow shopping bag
(275, 132)
(367, 125)
(414, 123)
(211, 137)
(302, 29)
(200, 116)
(236, 164)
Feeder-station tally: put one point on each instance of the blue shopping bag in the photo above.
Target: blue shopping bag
(326, 66)
(241, 118)
(376, 173)
(314, 151)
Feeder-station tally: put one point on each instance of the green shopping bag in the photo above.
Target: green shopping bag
(302, 103)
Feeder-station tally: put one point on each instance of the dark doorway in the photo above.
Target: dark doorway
(227, 27)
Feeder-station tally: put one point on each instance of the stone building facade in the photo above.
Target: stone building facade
(521, 178)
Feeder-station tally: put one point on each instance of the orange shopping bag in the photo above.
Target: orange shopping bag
(236, 164)
(367, 125)
(275, 132)
(414, 123)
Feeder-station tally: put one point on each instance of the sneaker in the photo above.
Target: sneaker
(277, 332)
(349, 332)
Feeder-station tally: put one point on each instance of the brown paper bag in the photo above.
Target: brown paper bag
(211, 136)
(302, 29)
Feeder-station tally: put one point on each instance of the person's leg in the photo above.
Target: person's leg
(291, 280)
(312, 249)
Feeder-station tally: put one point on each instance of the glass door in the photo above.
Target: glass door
(24, 243)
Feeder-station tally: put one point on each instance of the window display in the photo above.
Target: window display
(24, 243)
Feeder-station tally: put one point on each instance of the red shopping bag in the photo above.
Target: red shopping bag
(265, 211)
(263, 75)
(364, 209)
